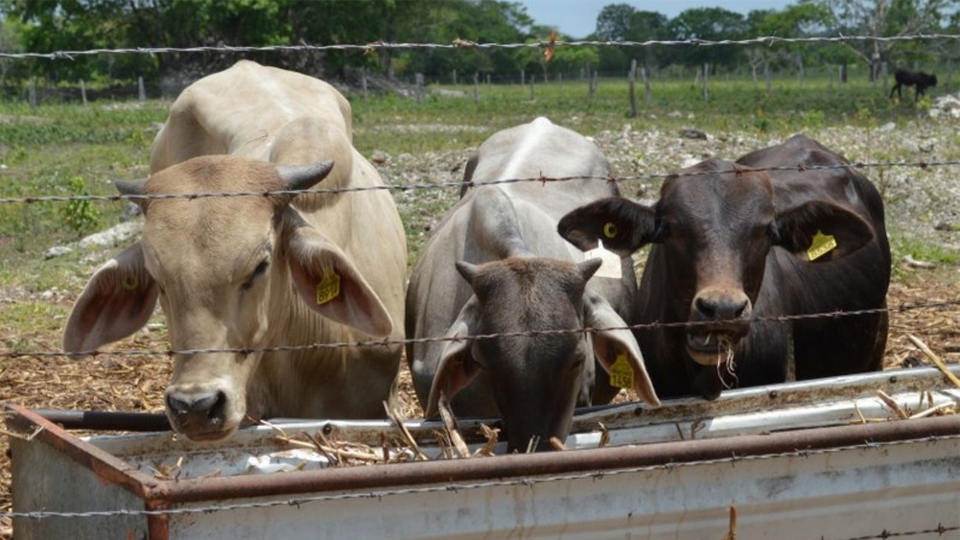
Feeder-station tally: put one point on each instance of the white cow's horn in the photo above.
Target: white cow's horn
(297, 177)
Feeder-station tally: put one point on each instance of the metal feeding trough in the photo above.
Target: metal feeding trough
(820, 459)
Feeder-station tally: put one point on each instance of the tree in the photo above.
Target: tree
(886, 18)
(708, 24)
(615, 22)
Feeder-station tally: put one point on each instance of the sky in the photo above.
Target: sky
(577, 18)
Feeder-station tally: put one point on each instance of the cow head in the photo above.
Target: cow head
(230, 273)
(715, 232)
(536, 379)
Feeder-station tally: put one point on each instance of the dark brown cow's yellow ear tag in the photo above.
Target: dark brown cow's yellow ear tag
(328, 288)
(610, 230)
(821, 245)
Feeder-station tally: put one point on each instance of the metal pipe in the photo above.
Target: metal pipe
(100, 420)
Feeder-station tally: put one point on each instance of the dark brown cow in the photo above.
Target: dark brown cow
(918, 79)
(737, 243)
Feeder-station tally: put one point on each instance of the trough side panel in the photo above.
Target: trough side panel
(47, 480)
(843, 493)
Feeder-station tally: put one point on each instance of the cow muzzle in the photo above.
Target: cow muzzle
(202, 414)
(726, 313)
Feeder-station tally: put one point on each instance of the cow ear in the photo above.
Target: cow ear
(617, 350)
(330, 284)
(117, 301)
(821, 231)
(622, 225)
(456, 368)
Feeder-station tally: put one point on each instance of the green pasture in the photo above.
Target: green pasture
(60, 149)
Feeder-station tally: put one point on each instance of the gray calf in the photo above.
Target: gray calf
(496, 265)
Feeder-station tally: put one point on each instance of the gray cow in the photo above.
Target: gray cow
(496, 265)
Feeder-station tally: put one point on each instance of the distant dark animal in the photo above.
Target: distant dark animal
(495, 264)
(919, 80)
(737, 243)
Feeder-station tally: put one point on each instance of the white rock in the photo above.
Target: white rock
(114, 236)
(57, 251)
(910, 145)
(889, 126)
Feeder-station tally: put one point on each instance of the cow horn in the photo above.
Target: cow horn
(467, 270)
(130, 187)
(133, 187)
(300, 177)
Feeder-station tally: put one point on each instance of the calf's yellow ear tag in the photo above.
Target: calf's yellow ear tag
(328, 288)
(821, 245)
(621, 373)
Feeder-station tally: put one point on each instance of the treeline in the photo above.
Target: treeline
(58, 25)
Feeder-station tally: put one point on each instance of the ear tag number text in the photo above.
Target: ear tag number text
(821, 245)
(621, 373)
(328, 288)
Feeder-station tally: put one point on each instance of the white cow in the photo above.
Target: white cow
(253, 272)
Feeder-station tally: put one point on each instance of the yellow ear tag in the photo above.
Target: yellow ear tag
(621, 373)
(328, 288)
(610, 230)
(129, 282)
(821, 245)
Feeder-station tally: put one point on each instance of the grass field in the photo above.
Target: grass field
(64, 149)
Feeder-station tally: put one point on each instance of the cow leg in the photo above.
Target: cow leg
(896, 88)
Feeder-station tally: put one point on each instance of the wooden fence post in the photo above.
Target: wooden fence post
(476, 87)
(766, 75)
(32, 93)
(703, 81)
(488, 79)
(419, 79)
(886, 81)
(632, 78)
(83, 93)
(523, 77)
(596, 83)
(533, 93)
(454, 77)
(646, 84)
(799, 70)
(141, 92)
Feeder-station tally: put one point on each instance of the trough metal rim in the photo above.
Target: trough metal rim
(159, 494)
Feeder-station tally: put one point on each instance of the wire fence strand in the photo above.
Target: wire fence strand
(524, 333)
(463, 44)
(449, 185)
(455, 487)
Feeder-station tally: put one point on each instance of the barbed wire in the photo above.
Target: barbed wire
(471, 45)
(447, 185)
(523, 333)
(940, 530)
(524, 481)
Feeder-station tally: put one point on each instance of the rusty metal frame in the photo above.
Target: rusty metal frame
(163, 494)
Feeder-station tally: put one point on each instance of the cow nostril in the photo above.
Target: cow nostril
(705, 308)
(741, 309)
(178, 406)
(217, 410)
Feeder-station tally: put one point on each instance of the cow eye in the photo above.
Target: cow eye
(258, 271)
